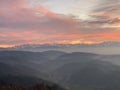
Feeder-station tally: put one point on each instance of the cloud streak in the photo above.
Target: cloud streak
(21, 23)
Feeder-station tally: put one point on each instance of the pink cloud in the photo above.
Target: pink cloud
(20, 23)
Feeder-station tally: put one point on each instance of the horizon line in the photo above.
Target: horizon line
(12, 46)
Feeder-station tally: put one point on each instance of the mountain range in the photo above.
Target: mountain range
(102, 48)
(73, 71)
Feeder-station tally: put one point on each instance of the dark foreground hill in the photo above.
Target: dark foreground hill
(36, 87)
(26, 83)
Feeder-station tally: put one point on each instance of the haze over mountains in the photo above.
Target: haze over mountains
(102, 48)
(73, 71)
(59, 44)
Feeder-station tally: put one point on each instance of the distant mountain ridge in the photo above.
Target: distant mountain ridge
(102, 48)
(66, 45)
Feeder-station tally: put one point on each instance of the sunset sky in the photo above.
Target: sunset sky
(59, 21)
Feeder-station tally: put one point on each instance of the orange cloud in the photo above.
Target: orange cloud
(22, 24)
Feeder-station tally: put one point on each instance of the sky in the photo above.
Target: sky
(59, 22)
